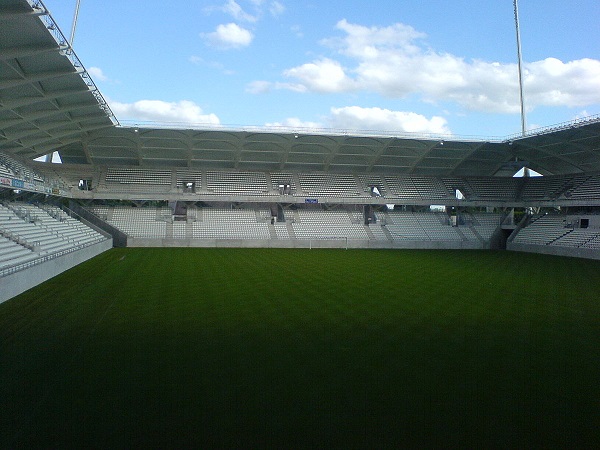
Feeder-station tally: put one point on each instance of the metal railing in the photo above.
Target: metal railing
(576, 123)
(42, 259)
(299, 131)
(51, 255)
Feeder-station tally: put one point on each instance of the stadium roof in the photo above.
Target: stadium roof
(47, 99)
(48, 102)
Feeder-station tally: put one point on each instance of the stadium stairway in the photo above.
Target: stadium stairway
(476, 233)
(169, 230)
(369, 233)
(460, 233)
(290, 230)
(272, 232)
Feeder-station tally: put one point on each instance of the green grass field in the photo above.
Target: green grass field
(254, 348)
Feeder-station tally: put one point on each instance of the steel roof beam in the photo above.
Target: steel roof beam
(53, 131)
(47, 115)
(34, 143)
(541, 149)
(30, 50)
(43, 126)
(11, 14)
(466, 158)
(379, 153)
(58, 109)
(44, 76)
(424, 155)
(334, 149)
(43, 98)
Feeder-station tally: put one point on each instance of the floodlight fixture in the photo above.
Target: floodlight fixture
(520, 66)
(75, 16)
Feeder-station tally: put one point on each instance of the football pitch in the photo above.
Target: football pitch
(254, 348)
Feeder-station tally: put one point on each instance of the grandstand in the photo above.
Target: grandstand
(129, 189)
(161, 186)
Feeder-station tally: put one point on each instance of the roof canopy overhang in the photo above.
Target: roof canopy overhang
(49, 103)
(47, 99)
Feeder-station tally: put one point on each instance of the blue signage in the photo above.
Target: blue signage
(311, 200)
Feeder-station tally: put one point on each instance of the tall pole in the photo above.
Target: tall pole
(520, 63)
(74, 23)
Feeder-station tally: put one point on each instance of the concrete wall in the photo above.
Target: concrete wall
(23, 280)
(557, 250)
(302, 243)
(119, 238)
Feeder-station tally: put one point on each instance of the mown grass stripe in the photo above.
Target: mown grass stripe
(309, 347)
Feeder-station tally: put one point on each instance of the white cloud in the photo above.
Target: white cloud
(394, 62)
(184, 111)
(369, 42)
(216, 65)
(323, 75)
(236, 11)
(378, 119)
(371, 119)
(263, 87)
(276, 8)
(297, 30)
(259, 87)
(97, 74)
(294, 123)
(555, 83)
(229, 36)
(259, 8)
(197, 60)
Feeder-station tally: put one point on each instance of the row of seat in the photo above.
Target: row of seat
(555, 230)
(246, 223)
(12, 167)
(139, 222)
(202, 230)
(346, 185)
(329, 231)
(236, 182)
(30, 232)
(138, 176)
(543, 230)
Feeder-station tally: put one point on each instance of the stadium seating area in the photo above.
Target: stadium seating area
(140, 222)
(322, 206)
(325, 185)
(220, 223)
(11, 167)
(315, 223)
(556, 230)
(319, 224)
(329, 185)
(29, 233)
(301, 224)
(136, 180)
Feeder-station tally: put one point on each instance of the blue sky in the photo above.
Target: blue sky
(388, 65)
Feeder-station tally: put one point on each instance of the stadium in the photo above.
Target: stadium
(253, 287)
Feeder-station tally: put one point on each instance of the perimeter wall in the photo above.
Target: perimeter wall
(23, 280)
(573, 252)
(304, 243)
